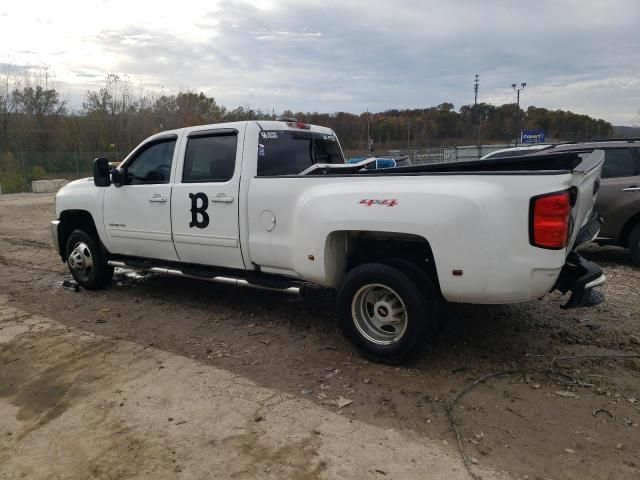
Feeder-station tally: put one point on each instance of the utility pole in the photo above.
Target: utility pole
(476, 84)
(517, 90)
(408, 132)
(369, 142)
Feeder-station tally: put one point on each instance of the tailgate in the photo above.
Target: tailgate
(586, 180)
(578, 275)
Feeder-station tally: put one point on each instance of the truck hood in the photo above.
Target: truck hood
(80, 183)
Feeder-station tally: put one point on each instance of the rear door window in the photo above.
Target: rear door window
(619, 162)
(288, 152)
(210, 158)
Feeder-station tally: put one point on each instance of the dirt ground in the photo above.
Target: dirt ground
(161, 377)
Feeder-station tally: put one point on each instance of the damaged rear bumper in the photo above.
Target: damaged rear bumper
(580, 277)
(590, 230)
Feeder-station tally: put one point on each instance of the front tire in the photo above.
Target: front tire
(634, 244)
(87, 262)
(385, 313)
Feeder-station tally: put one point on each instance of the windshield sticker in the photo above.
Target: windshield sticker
(260, 150)
(269, 135)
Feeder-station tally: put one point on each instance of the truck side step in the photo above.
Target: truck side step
(272, 284)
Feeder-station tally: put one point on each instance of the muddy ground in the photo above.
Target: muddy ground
(581, 422)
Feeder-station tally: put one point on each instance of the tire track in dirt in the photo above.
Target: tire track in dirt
(290, 345)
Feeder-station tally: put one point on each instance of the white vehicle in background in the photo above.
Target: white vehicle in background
(272, 205)
(515, 151)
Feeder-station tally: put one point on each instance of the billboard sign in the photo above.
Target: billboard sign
(532, 136)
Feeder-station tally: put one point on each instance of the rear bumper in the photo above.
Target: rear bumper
(590, 230)
(580, 277)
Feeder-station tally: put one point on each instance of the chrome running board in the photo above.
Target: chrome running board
(227, 280)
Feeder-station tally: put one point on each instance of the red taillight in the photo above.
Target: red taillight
(301, 125)
(550, 215)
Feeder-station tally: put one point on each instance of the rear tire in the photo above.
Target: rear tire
(634, 244)
(386, 314)
(424, 281)
(87, 261)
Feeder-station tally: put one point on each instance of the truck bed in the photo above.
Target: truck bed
(552, 163)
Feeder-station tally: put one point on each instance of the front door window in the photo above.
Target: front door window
(152, 165)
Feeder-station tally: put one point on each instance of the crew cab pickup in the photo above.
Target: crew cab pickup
(272, 205)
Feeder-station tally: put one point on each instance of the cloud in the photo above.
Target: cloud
(82, 74)
(13, 69)
(350, 56)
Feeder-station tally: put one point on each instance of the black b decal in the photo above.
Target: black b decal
(202, 210)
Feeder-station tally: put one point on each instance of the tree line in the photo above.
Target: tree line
(35, 118)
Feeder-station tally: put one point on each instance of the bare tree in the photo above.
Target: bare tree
(8, 103)
(38, 102)
(39, 96)
(114, 110)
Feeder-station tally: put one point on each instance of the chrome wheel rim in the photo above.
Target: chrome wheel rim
(80, 260)
(379, 314)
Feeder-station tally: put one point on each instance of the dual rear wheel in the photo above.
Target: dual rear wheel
(388, 310)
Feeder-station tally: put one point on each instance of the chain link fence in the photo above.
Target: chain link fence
(423, 156)
(19, 169)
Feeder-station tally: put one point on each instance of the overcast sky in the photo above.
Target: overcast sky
(328, 56)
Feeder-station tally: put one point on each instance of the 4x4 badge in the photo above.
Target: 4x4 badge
(387, 202)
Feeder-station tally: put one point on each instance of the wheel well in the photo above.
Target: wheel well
(370, 246)
(626, 230)
(71, 220)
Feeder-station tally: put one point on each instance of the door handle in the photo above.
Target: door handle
(632, 188)
(222, 198)
(157, 198)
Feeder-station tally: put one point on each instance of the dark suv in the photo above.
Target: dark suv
(619, 196)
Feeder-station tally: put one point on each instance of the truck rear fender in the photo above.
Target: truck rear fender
(347, 249)
(318, 236)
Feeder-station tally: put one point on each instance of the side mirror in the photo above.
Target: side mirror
(117, 176)
(101, 176)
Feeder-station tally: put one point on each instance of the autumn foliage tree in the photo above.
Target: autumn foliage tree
(113, 119)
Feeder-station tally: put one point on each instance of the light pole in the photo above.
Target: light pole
(369, 142)
(476, 84)
(517, 90)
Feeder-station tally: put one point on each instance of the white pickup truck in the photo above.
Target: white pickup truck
(272, 205)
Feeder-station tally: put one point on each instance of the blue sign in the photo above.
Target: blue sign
(532, 136)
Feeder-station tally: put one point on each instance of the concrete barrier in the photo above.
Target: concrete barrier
(48, 186)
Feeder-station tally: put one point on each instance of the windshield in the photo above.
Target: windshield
(288, 152)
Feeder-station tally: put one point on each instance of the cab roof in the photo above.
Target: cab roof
(263, 124)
